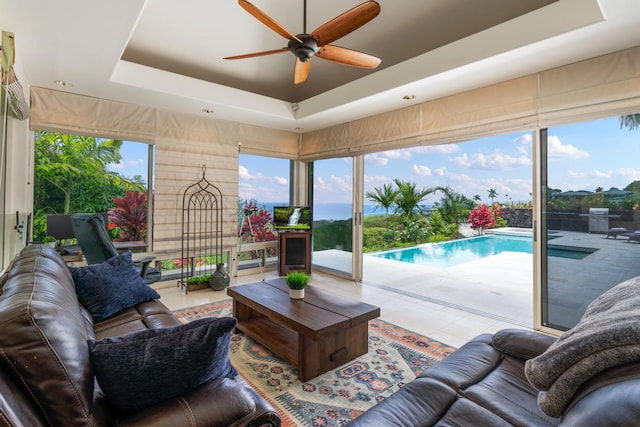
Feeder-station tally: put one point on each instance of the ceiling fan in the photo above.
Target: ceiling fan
(317, 43)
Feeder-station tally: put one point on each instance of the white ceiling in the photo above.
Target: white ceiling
(168, 54)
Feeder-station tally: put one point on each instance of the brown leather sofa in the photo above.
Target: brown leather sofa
(485, 382)
(46, 376)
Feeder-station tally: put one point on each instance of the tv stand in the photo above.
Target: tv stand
(294, 252)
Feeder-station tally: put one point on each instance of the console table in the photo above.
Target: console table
(316, 334)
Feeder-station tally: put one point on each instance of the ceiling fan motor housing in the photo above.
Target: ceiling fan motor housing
(304, 50)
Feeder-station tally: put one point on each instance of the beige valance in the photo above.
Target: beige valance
(594, 88)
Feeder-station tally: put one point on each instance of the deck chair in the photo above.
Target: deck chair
(97, 247)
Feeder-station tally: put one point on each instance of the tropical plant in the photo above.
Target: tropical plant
(255, 224)
(61, 160)
(439, 227)
(412, 230)
(477, 198)
(71, 176)
(454, 207)
(196, 280)
(409, 198)
(384, 197)
(492, 194)
(130, 216)
(631, 121)
(297, 280)
(483, 217)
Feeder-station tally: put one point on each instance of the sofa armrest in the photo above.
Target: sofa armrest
(520, 343)
(220, 402)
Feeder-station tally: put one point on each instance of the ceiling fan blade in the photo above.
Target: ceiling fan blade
(347, 22)
(348, 56)
(252, 55)
(301, 70)
(266, 20)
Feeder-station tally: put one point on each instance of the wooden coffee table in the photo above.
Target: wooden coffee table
(316, 334)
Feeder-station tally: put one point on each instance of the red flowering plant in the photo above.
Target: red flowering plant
(130, 216)
(261, 225)
(483, 217)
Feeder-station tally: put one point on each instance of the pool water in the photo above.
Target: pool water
(456, 252)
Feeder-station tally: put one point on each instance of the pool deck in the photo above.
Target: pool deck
(501, 286)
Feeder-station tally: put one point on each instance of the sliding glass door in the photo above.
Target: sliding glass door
(336, 217)
(590, 216)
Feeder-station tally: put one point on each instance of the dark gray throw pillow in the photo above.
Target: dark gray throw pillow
(107, 288)
(138, 370)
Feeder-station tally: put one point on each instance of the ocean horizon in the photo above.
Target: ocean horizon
(329, 211)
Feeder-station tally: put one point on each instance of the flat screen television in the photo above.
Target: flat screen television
(292, 217)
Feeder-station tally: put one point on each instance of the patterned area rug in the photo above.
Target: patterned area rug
(335, 398)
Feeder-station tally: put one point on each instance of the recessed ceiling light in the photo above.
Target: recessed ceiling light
(409, 97)
(207, 110)
(62, 83)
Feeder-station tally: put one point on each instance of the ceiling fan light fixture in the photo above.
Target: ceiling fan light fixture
(304, 46)
(305, 50)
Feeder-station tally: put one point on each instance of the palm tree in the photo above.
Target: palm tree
(409, 198)
(631, 121)
(477, 198)
(62, 160)
(384, 197)
(455, 206)
(492, 194)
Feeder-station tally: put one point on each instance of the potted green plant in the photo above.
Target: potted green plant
(297, 281)
(196, 280)
(50, 240)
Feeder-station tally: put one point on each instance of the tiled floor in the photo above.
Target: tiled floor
(441, 322)
(455, 304)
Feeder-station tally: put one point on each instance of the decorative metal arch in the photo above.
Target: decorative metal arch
(201, 229)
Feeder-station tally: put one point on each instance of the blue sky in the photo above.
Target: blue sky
(134, 160)
(582, 156)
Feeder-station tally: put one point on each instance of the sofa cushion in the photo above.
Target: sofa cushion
(110, 287)
(608, 335)
(138, 370)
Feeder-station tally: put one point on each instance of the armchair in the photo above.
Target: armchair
(97, 247)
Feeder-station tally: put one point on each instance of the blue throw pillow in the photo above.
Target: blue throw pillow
(108, 288)
(143, 368)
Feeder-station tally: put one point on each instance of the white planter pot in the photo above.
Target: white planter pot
(296, 293)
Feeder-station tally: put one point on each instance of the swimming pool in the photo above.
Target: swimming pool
(456, 252)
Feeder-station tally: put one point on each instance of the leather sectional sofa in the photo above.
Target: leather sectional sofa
(589, 376)
(46, 372)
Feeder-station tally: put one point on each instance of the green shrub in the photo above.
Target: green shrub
(297, 280)
(196, 280)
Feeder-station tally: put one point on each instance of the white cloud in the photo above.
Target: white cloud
(421, 170)
(375, 159)
(439, 171)
(590, 174)
(494, 161)
(558, 150)
(243, 173)
(135, 162)
(382, 158)
(524, 144)
(280, 180)
(629, 174)
(436, 149)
